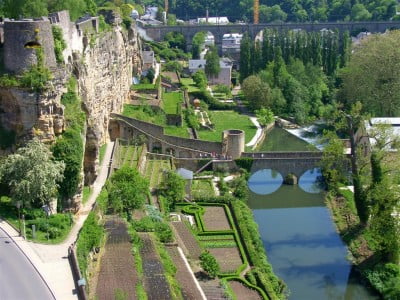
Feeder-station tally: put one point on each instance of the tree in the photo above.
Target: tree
(128, 190)
(372, 76)
(173, 188)
(197, 44)
(265, 116)
(200, 79)
(212, 67)
(32, 174)
(209, 264)
(257, 92)
(245, 58)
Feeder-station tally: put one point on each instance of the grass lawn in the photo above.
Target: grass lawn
(143, 114)
(143, 86)
(49, 231)
(171, 102)
(176, 131)
(202, 187)
(223, 120)
(189, 83)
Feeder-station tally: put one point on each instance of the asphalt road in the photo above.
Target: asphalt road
(18, 278)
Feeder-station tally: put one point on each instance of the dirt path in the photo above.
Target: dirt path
(117, 265)
(184, 277)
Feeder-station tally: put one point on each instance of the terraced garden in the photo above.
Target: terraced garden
(154, 171)
(202, 187)
(216, 232)
(128, 155)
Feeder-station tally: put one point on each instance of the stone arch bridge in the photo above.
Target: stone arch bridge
(285, 162)
(157, 33)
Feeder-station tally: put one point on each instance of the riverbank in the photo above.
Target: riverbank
(378, 277)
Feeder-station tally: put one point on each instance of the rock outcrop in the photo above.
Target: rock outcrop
(104, 72)
(104, 76)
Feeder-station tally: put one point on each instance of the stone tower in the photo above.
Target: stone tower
(22, 38)
(233, 143)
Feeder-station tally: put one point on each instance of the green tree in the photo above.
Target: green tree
(373, 74)
(197, 44)
(173, 188)
(245, 58)
(200, 79)
(32, 174)
(257, 92)
(265, 116)
(212, 67)
(209, 264)
(128, 190)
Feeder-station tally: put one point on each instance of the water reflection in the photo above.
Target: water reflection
(300, 238)
(265, 181)
(311, 181)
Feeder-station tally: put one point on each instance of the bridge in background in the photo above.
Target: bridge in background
(296, 163)
(157, 33)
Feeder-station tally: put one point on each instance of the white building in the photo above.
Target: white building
(209, 39)
(225, 73)
(213, 20)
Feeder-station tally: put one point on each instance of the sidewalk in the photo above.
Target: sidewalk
(51, 261)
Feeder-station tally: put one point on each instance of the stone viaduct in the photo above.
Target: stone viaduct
(157, 33)
(285, 162)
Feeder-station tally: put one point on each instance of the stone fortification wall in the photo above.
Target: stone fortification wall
(21, 38)
(158, 132)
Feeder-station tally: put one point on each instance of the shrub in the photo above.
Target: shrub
(90, 237)
(209, 264)
(36, 78)
(164, 232)
(385, 278)
(146, 224)
(211, 101)
(59, 43)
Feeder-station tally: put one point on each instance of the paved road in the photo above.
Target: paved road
(18, 278)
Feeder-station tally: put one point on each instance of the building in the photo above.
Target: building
(225, 73)
(231, 42)
(213, 20)
(150, 62)
(373, 133)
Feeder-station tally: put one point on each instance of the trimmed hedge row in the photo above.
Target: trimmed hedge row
(262, 270)
(247, 284)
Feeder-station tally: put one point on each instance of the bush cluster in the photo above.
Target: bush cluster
(214, 104)
(90, 237)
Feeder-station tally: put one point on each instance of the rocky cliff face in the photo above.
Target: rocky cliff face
(104, 78)
(29, 113)
(104, 72)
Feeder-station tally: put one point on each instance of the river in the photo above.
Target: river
(299, 235)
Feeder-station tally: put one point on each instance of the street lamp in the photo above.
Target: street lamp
(18, 205)
(47, 211)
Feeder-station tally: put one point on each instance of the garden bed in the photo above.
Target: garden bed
(228, 259)
(215, 218)
(243, 292)
(117, 272)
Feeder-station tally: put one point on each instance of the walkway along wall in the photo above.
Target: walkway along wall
(128, 128)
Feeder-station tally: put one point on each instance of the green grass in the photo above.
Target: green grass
(189, 83)
(102, 152)
(223, 120)
(143, 86)
(86, 194)
(202, 187)
(176, 131)
(154, 171)
(143, 114)
(172, 102)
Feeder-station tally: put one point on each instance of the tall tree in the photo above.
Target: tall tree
(245, 57)
(372, 76)
(212, 67)
(32, 174)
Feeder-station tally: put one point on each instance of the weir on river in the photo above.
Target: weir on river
(299, 235)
